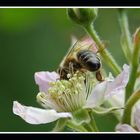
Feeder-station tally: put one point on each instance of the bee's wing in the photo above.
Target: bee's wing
(85, 44)
(69, 53)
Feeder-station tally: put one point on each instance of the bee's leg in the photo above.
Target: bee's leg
(99, 76)
(70, 69)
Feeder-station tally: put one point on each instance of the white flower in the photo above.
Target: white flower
(62, 97)
(129, 128)
(34, 115)
(109, 88)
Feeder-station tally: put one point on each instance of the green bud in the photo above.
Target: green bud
(82, 16)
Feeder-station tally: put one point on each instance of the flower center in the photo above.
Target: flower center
(68, 95)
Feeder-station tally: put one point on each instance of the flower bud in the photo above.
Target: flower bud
(82, 16)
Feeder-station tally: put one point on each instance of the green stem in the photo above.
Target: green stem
(138, 74)
(78, 128)
(134, 65)
(106, 56)
(89, 127)
(93, 122)
(129, 105)
(60, 125)
(126, 38)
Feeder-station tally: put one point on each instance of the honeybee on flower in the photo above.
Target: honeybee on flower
(81, 57)
(61, 98)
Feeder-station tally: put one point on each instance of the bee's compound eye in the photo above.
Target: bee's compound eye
(93, 66)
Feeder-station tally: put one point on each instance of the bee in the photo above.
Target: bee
(82, 57)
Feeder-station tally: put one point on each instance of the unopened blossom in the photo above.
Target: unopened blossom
(82, 16)
(60, 98)
(129, 128)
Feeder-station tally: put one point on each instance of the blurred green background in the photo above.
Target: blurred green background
(34, 40)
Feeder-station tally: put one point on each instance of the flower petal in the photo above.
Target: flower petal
(120, 82)
(137, 118)
(97, 96)
(34, 115)
(118, 100)
(108, 88)
(43, 78)
(124, 128)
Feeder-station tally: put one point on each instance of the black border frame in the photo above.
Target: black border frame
(82, 3)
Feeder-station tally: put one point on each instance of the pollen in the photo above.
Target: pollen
(68, 95)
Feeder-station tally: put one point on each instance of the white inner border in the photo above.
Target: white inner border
(70, 7)
(136, 7)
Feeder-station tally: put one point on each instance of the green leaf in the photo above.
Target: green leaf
(126, 40)
(134, 64)
(125, 49)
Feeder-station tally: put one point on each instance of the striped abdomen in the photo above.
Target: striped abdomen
(89, 60)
